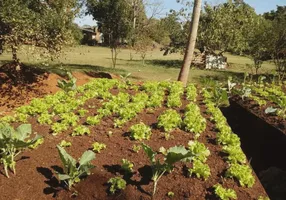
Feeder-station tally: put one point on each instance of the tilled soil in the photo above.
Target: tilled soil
(36, 177)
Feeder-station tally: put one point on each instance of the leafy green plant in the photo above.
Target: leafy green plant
(82, 112)
(191, 92)
(170, 194)
(58, 128)
(199, 151)
(97, 147)
(140, 132)
(127, 166)
(64, 143)
(136, 148)
(173, 155)
(263, 198)
(93, 120)
(169, 120)
(200, 170)
(243, 173)
(69, 85)
(45, 118)
(116, 184)
(235, 154)
(12, 142)
(70, 119)
(36, 144)
(80, 130)
(223, 193)
(73, 170)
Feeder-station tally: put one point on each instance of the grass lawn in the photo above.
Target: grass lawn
(157, 66)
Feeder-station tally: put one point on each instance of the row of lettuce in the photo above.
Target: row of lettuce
(64, 111)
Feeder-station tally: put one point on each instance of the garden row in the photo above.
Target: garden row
(155, 140)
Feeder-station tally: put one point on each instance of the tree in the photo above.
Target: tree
(277, 40)
(114, 17)
(43, 23)
(257, 43)
(226, 26)
(184, 73)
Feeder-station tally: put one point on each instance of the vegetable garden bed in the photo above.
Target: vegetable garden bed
(200, 155)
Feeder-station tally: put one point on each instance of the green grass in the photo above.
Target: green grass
(157, 66)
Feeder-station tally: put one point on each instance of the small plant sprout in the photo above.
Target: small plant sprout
(170, 194)
(97, 147)
(73, 170)
(116, 184)
(224, 194)
(12, 142)
(36, 144)
(263, 198)
(127, 166)
(136, 148)
(173, 155)
(65, 143)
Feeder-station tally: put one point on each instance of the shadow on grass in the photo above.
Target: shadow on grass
(165, 63)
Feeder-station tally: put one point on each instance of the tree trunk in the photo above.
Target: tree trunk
(184, 73)
(14, 54)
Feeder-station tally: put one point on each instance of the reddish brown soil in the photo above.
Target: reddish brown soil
(257, 110)
(19, 87)
(36, 178)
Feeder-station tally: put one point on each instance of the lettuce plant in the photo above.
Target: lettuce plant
(173, 155)
(243, 173)
(58, 128)
(73, 170)
(140, 132)
(191, 92)
(45, 118)
(200, 169)
(116, 184)
(12, 142)
(93, 120)
(235, 154)
(127, 166)
(169, 120)
(97, 147)
(80, 130)
(64, 143)
(199, 151)
(223, 193)
(136, 148)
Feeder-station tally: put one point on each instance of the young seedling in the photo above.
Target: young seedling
(36, 144)
(117, 184)
(12, 142)
(173, 155)
(136, 148)
(73, 170)
(65, 143)
(127, 166)
(97, 147)
(170, 194)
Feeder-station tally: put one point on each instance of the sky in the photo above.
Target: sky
(260, 6)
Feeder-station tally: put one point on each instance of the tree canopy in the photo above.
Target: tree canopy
(43, 23)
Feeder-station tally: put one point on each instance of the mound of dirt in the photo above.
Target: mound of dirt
(19, 84)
